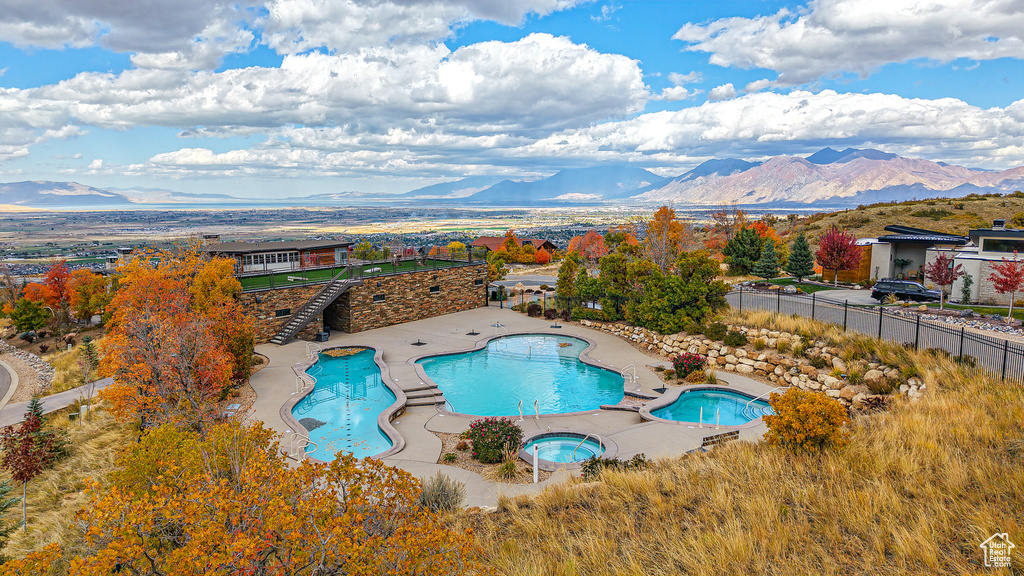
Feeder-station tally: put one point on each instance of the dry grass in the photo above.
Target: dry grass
(916, 490)
(67, 371)
(55, 497)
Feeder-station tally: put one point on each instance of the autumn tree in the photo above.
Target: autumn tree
(944, 272)
(801, 262)
(28, 315)
(457, 251)
(1008, 277)
(88, 294)
(364, 251)
(743, 251)
(665, 237)
(567, 274)
(838, 250)
(228, 503)
(724, 225)
(177, 338)
(542, 257)
(30, 448)
(56, 281)
(590, 247)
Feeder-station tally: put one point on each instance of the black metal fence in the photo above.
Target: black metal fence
(999, 355)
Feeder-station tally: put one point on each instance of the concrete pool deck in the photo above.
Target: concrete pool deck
(275, 386)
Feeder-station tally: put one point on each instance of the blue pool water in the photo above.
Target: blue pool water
(732, 406)
(341, 412)
(492, 381)
(560, 448)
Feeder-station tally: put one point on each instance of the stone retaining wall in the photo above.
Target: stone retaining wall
(776, 367)
(43, 369)
(264, 305)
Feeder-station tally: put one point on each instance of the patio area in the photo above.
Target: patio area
(275, 387)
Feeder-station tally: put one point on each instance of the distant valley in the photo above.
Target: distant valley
(831, 177)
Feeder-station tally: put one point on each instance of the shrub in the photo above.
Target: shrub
(818, 361)
(782, 346)
(534, 309)
(855, 376)
(694, 328)
(710, 378)
(687, 363)
(43, 348)
(507, 470)
(716, 331)
(735, 339)
(696, 377)
(441, 493)
(670, 374)
(544, 287)
(28, 336)
(566, 315)
(450, 457)
(492, 437)
(882, 386)
(593, 467)
(462, 446)
(760, 344)
(550, 314)
(805, 421)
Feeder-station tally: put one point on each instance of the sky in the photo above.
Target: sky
(265, 98)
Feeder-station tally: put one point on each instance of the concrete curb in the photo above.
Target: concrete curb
(14, 384)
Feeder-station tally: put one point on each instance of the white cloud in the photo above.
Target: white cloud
(723, 92)
(757, 85)
(676, 93)
(681, 79)
(96, 164)
(766, 123)
(861, 35)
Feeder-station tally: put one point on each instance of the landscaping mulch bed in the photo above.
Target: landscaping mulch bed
(464, 460)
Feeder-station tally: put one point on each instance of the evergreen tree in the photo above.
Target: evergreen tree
(743, 251)
(801, 262)
(767, 266)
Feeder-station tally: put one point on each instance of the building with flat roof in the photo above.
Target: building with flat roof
(281, 256)
(492, 243)
(987, 246)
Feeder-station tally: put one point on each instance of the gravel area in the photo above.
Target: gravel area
(464, 460)
(34, 374)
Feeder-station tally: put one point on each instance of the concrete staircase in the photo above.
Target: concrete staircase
(424, 396)
(314, 306)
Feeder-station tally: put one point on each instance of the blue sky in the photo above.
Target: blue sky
(260, 96)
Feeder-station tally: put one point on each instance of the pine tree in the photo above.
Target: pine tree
(801, 262)
(743, 251)
(768, 265)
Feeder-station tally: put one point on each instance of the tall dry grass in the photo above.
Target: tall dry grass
(68, 369)
(57, 494)
(917, 489)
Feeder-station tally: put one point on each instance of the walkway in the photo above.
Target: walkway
(8, 383)
(275, 385)
(14, 413)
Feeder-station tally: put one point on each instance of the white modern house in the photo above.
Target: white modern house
(987, 246)
(903, 253)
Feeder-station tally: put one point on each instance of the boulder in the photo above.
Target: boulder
(851, 392)
(730, 359)
(744, 368)
(874, 377)
(832, 393)
(838, 364)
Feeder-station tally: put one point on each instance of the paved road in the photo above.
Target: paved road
(854, 297)
(5, 381)
(992, 352)
(14, 413)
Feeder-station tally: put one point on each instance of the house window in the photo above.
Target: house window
(378, 298)
(282, 312)
(1002, 245)
(435, 289)
(478, 282)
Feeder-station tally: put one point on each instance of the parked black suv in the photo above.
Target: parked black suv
(904, 290)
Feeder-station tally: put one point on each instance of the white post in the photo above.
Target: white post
(701, 416)
(535, 474)
(718, 416)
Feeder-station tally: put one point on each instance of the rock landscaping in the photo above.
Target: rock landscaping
(860, 386)
(955, 318)
(44, 371)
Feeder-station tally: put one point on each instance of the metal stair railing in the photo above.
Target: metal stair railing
(316, 304)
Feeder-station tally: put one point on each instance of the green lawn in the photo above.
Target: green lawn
(1001, 310)
(301, 277)
(807, 288)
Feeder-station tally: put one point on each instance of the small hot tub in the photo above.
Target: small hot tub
(565, 448)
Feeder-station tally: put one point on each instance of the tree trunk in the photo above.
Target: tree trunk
(835, 279)
(1009, 317)
(942, 297)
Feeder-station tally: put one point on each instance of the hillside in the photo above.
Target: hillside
(955, 216)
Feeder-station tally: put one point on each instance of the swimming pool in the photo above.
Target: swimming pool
(341, 412)
(528, 368)
(563, 448)
(723, 407)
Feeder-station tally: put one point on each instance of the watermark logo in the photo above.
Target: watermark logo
(997, 550)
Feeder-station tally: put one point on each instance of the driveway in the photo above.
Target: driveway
(854, 297)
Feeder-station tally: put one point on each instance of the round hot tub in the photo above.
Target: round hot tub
(565, 448)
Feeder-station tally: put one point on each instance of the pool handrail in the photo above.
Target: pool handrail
(293, 445)
(758, 397)
(521, 418)
(536, 408)
(600, 445)
(499, 329)
(632, 376)
(313, 349)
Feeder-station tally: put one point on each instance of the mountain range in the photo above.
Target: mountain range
(834, 177)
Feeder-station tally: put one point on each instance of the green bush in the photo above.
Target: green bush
(493, 437)
(716, 331)
(450, 457)
(593, 467)
(806, 421)
(735, 339)
(694, 328)
(818, 361)
(441, 493)
(670, 375)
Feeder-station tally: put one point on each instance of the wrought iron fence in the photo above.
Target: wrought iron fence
(999, 355)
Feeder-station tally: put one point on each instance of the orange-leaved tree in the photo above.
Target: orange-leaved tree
(177, 338)
(665, 238)
(590, 246)
(228, 503)
(542, 256)
(88, 294)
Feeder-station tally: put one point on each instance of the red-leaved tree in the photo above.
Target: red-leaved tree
(1008, 277)
(591, 246)
(838, 250)
(944, 272)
